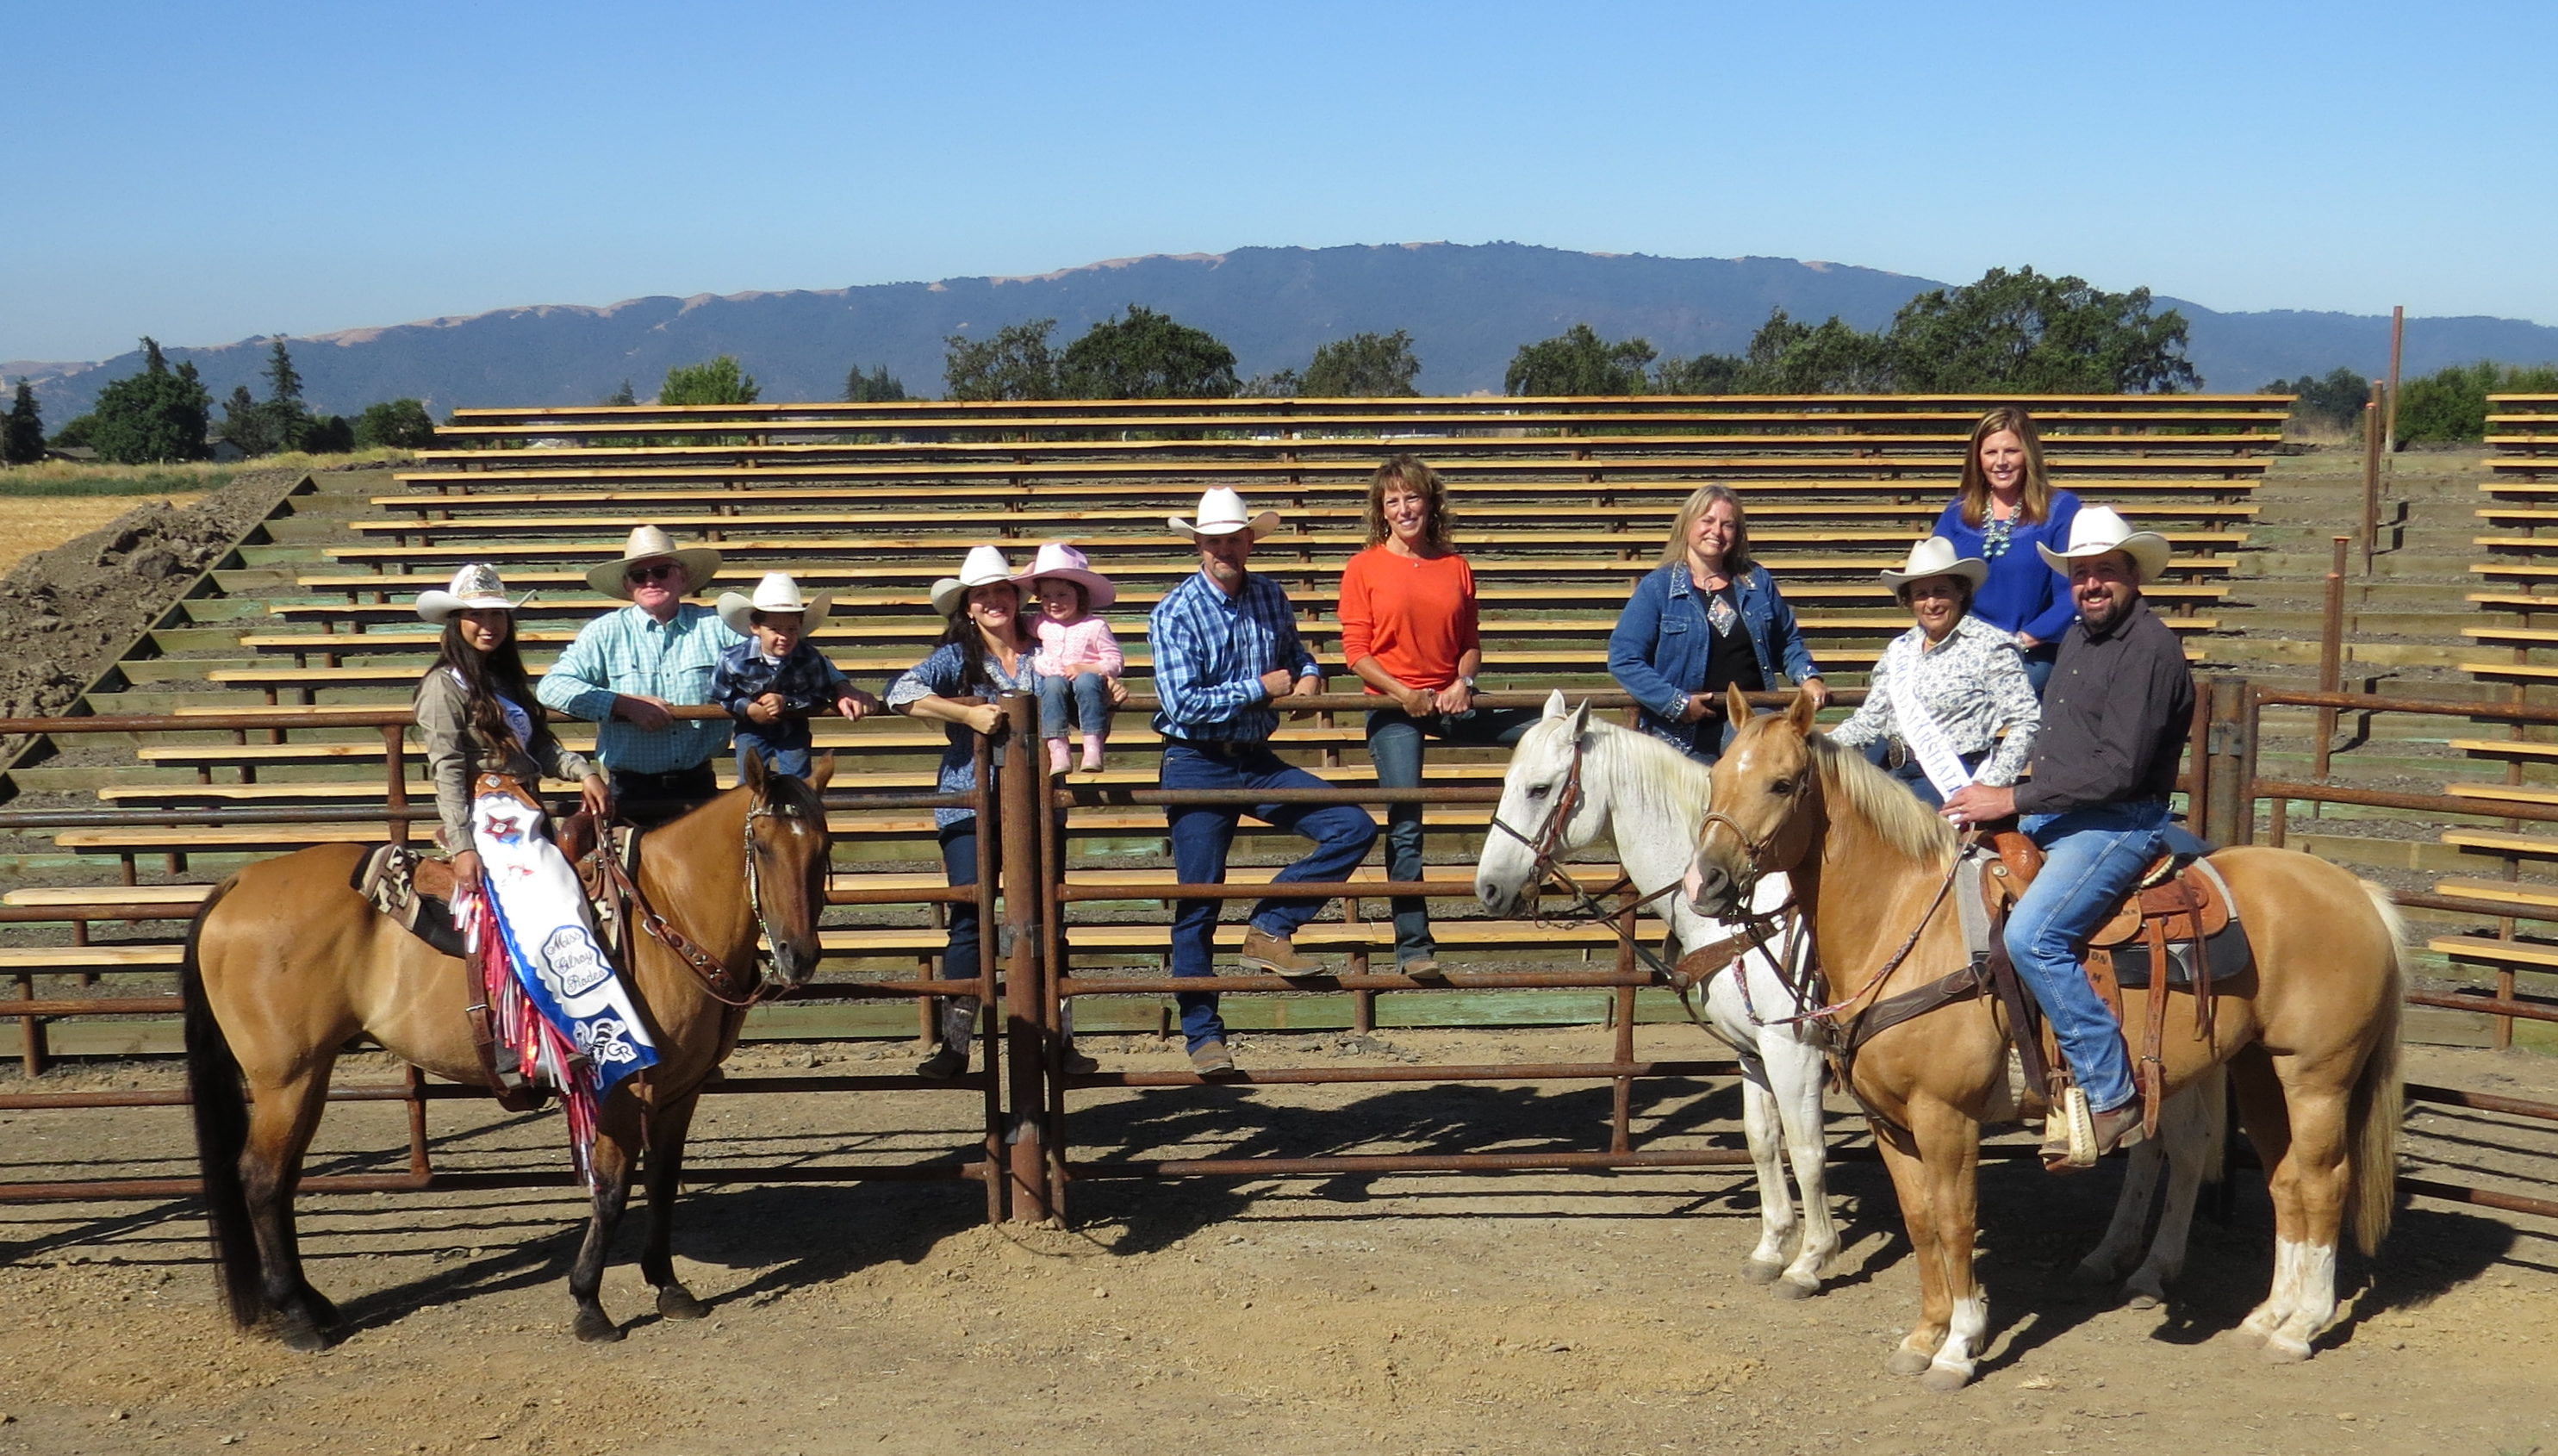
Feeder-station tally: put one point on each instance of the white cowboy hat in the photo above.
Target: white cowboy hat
(777, 592)
(1057, 562)
(474, 588)
(2100, 529)
(1222, 512)
(984, 567)
(1935, 557)
(648, 543)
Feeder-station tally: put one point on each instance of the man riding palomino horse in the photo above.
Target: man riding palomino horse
(2115, 716)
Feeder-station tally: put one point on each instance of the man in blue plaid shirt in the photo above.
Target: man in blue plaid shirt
(1225, 647)
(628, 667)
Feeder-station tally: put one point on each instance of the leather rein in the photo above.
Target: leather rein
(718, 982)
(1546, 849)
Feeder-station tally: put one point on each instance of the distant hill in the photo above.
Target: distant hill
(1467, 308)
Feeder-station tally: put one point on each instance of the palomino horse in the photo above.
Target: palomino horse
(1571, 780)
(2309, 1034)
(287, 964)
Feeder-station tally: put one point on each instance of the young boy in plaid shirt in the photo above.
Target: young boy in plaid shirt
(770, 682)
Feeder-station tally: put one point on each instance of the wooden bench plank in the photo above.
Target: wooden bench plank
(2499, 842)
(2495, 952)
(2525, 897)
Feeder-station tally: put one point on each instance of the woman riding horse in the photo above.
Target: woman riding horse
(1950, 693)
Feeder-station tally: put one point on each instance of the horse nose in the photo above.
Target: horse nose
(1495, 898)
(1708, 888)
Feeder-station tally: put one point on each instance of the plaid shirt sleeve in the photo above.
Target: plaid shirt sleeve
(1194, 686)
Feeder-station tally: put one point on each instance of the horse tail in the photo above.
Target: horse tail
(222, 1128)
(2379, 1096)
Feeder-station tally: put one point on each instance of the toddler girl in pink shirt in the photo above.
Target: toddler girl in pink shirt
(1079, 661)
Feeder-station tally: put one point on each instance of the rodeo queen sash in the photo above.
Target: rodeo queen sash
(1923, 735)
(541, 916)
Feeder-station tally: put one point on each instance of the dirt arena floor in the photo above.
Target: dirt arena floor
(42, 523)
(1533, 1313)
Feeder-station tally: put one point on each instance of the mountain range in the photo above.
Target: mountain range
(1467, 307)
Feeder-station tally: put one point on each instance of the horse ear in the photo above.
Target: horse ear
(823, 769)
(1735, 705)
(1580, 718)
(1802, 711)
(750, 772)
(1555, 707)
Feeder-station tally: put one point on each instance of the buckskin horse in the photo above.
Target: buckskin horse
(287, 962)
(2309, 1034)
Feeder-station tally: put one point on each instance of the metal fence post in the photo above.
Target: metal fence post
(2228, 755)
(1023, 782)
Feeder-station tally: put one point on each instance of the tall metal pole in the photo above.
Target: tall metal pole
(2224, 769)
(2397, 348)
(2371, 428)
(1023, 782)
(2331, 654)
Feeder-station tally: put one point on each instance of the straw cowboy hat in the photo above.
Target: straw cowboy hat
(1057, 562)
(2100, 529)
(775, 593)
(474, 588)
(1222, 512)
(984, 567)
(1935, 557)
(648, 543)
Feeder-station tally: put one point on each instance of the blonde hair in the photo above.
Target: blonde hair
(1415, 475)
(1736, 557)
(1974, 493)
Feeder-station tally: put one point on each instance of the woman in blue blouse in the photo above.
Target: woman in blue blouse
(1706, 618)
(988, 650)
(2003, 510)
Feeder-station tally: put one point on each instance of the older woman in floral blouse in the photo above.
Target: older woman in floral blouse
(1950, 695)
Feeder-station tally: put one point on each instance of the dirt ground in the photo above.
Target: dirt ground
(42, 523)
(1540, 1313)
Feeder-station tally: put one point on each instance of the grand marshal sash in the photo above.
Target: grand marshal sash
(1923, 735)
(541, 915)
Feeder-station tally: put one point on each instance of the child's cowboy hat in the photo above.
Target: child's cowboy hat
(1057, 562)
(984, 567)
(648, 543)
(1935, 557)
(474, 588)
(2100, 529)
(777, 592)
(1222, 512)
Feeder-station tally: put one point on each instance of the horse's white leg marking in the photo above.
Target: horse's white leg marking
(1794, 1070)
(2269, 1316)
(2312, 1303)
(1967, 1332)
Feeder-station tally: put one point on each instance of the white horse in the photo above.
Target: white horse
(1651, 799)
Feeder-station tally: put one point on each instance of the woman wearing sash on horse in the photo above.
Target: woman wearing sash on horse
(2004, 508)
(987, 649)
(1408, 630)
(1951, 693)
(487, 749)
(1707, 619)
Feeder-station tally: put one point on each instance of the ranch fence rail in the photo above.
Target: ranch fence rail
(1024, 1159)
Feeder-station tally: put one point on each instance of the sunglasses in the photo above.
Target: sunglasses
(651, 573)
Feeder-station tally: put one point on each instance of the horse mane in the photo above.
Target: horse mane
(1898, 818)
(1652, 777)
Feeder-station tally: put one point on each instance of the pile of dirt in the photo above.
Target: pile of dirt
(68, 611)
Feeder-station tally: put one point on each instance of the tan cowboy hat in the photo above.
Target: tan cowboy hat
(1057, 562)
(2097, 529)
(648, 543)
(777, 592)
(984, 567)
(1222, 512)
(474, 588)
(1935, 557)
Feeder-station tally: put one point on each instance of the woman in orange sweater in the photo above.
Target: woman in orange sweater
(1408, 631)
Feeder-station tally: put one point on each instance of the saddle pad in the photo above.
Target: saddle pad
(414, 891)
(2225, 954)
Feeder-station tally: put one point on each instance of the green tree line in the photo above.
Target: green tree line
(165, 414)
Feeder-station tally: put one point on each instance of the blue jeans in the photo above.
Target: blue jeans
(1394, 744)
(1913, 775)
(2093, 857)
(790, 761)
(1089, 697)
(2039, 660)
(1202, 835)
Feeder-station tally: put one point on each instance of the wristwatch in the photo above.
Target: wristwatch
(1469, 682)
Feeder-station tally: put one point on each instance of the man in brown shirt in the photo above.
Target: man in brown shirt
(2115, 721)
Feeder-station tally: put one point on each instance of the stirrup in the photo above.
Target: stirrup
(2071, 1140)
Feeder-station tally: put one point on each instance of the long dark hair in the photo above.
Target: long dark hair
(962, 633)
(487, 676)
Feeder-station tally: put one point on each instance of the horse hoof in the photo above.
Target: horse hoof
(1755, 1271)
(2141, 1299)
(593, 1328)
(2283, 1352)
(2091, 1272)
(1790, 1289)
(2248, 1336)
(1941, 1379)
(302, 1335)
(1908, 1362)
(675, 1302)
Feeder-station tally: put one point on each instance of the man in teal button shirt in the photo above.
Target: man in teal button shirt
(628, 667)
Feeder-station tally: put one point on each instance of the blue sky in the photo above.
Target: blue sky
(204, 173)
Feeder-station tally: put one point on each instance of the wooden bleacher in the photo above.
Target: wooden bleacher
(2522, 559)
(1561, 506)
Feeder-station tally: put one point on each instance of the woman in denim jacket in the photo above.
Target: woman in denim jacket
(1706, 618)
